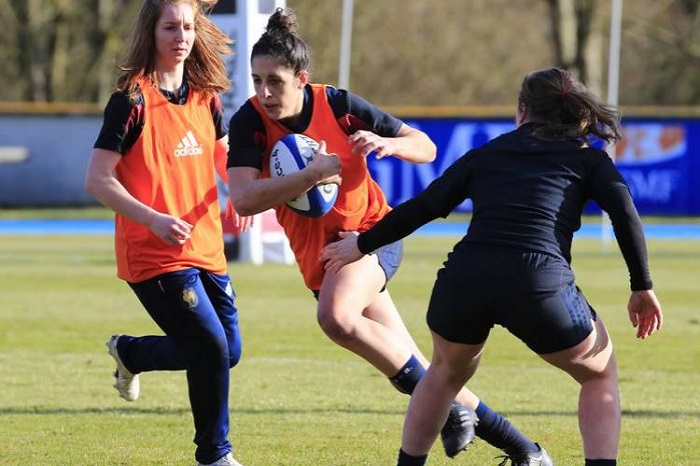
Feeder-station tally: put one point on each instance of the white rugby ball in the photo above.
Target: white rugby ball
(291, 154)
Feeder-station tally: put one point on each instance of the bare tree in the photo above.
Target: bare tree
(662, 36)
(10, 52)
(404, 53)
(62, 50)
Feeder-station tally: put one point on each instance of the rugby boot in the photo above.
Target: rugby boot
(458, 432)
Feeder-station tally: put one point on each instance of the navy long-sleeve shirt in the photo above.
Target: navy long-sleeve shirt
(528, 193)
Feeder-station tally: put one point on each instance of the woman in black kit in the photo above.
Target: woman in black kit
(529, 188)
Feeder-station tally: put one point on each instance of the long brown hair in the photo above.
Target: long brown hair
(563, 108)
(205, 68)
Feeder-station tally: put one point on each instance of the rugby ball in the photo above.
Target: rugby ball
(291, 154)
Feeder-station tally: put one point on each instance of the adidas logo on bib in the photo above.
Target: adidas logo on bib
(188, 146)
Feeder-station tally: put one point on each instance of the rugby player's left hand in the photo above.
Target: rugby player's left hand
(645, 313)
(365, 143)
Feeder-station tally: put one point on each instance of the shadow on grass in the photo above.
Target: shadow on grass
(646, 413)
(632, 413)
(54, 411)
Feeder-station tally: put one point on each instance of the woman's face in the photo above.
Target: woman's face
(174, 35)
(278, 89)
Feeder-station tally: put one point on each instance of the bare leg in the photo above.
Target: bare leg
(355, 315)
(453, 364)
(592, 364)
(342, 302)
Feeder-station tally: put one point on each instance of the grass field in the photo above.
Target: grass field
(298, 400)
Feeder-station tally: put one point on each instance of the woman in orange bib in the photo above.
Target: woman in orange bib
(354, 309)
(154, 163)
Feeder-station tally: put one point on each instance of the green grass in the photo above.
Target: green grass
(298, 400)
(100, 212)
(87, 212)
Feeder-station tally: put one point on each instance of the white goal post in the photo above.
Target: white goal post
(244, 21)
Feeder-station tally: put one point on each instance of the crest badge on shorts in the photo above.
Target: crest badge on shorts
(189, 298)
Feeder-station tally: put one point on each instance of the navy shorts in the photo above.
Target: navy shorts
(389, 257)
(532, 295)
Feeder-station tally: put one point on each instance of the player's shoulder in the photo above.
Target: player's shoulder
(333, 93)
(346, 101)
(246, 129)
(124, 110)
(214, 100)
(596, 156)
(508, 139)
(245, 118)
(121, 98)
(246, 112)
(338, 99)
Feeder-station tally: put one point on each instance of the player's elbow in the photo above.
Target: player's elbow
(243, 193)
(428, 149)
(243, 205)
(426, 154)
(244, 211)
(431, 152)
(91, 185)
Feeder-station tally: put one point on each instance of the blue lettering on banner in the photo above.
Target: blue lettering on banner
(659, 159)
(401, 181)
(655, 186)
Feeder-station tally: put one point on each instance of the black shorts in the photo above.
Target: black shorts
(532, 295)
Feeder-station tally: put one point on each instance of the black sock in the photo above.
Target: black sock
(601, 462)
(496, 430)
(407, 460)
(408, 376)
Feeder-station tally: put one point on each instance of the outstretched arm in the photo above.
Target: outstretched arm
(643, 307)
(397, 224)
(437, 200)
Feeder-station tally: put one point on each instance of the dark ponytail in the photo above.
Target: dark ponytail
(281, 41)
(563, 108)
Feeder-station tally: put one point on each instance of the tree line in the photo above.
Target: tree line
(404, 52)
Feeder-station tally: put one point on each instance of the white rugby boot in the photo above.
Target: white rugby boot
(226, 460)
(126, 383)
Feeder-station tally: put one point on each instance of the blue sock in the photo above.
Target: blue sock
(408, 376)
(601, 462)
(496, 430)
(407, 460)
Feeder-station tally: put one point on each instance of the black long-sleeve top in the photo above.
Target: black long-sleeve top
(528, 193)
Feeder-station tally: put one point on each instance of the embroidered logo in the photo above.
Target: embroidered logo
(188, 146)
(189, 298)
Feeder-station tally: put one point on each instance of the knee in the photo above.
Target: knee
(597, 372)
(234, 358)
(222, 355)
(338, 330)
(451, 374)
(234, 350)
(606, 375)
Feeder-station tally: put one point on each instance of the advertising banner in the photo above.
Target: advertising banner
(659, 159)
